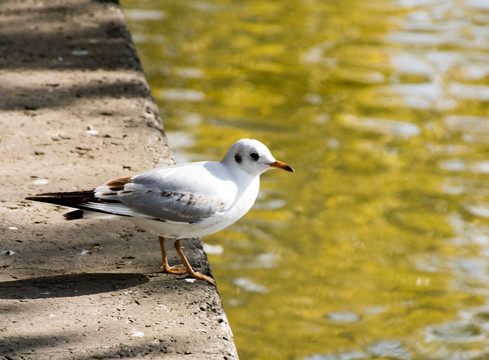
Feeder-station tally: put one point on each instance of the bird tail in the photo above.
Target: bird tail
(75, 199)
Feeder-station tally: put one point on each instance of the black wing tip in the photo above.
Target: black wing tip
(59, 199)
(76, 199)
(70, 199)
(49, 198)
(65, 194)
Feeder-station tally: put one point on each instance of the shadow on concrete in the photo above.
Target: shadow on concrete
(157, 349)
(45, 38)
(13, 345)
(69, 285)
(63, 38)
(49, 96)
(32, 346)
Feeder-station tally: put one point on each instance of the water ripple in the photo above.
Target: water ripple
(382, 126)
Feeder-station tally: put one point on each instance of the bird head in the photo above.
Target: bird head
(253, 157)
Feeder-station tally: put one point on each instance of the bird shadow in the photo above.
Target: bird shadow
(69, 285)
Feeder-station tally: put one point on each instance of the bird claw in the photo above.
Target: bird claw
(186, 268)
(197, 275)
(175, 270)
(181, 270)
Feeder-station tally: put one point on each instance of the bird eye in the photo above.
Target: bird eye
(254, 156)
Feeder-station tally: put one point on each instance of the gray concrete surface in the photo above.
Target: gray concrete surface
(76, 111)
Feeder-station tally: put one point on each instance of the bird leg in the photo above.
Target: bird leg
(190, 271)
(176, 270)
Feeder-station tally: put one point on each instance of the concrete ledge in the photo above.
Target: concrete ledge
(75, 111)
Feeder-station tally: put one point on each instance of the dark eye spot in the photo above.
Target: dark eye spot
(254, 156)
(238, 158)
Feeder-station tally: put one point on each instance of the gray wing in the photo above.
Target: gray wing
(169, 194)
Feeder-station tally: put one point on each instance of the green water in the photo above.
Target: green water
(378, 245)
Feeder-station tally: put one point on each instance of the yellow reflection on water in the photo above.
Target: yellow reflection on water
(378, 245)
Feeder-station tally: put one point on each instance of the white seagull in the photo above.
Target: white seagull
(179, 201)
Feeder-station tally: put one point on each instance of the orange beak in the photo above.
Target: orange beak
(281, 165)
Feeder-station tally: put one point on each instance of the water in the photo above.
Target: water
(378, 245)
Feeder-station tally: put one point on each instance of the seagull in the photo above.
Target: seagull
(179, 201)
